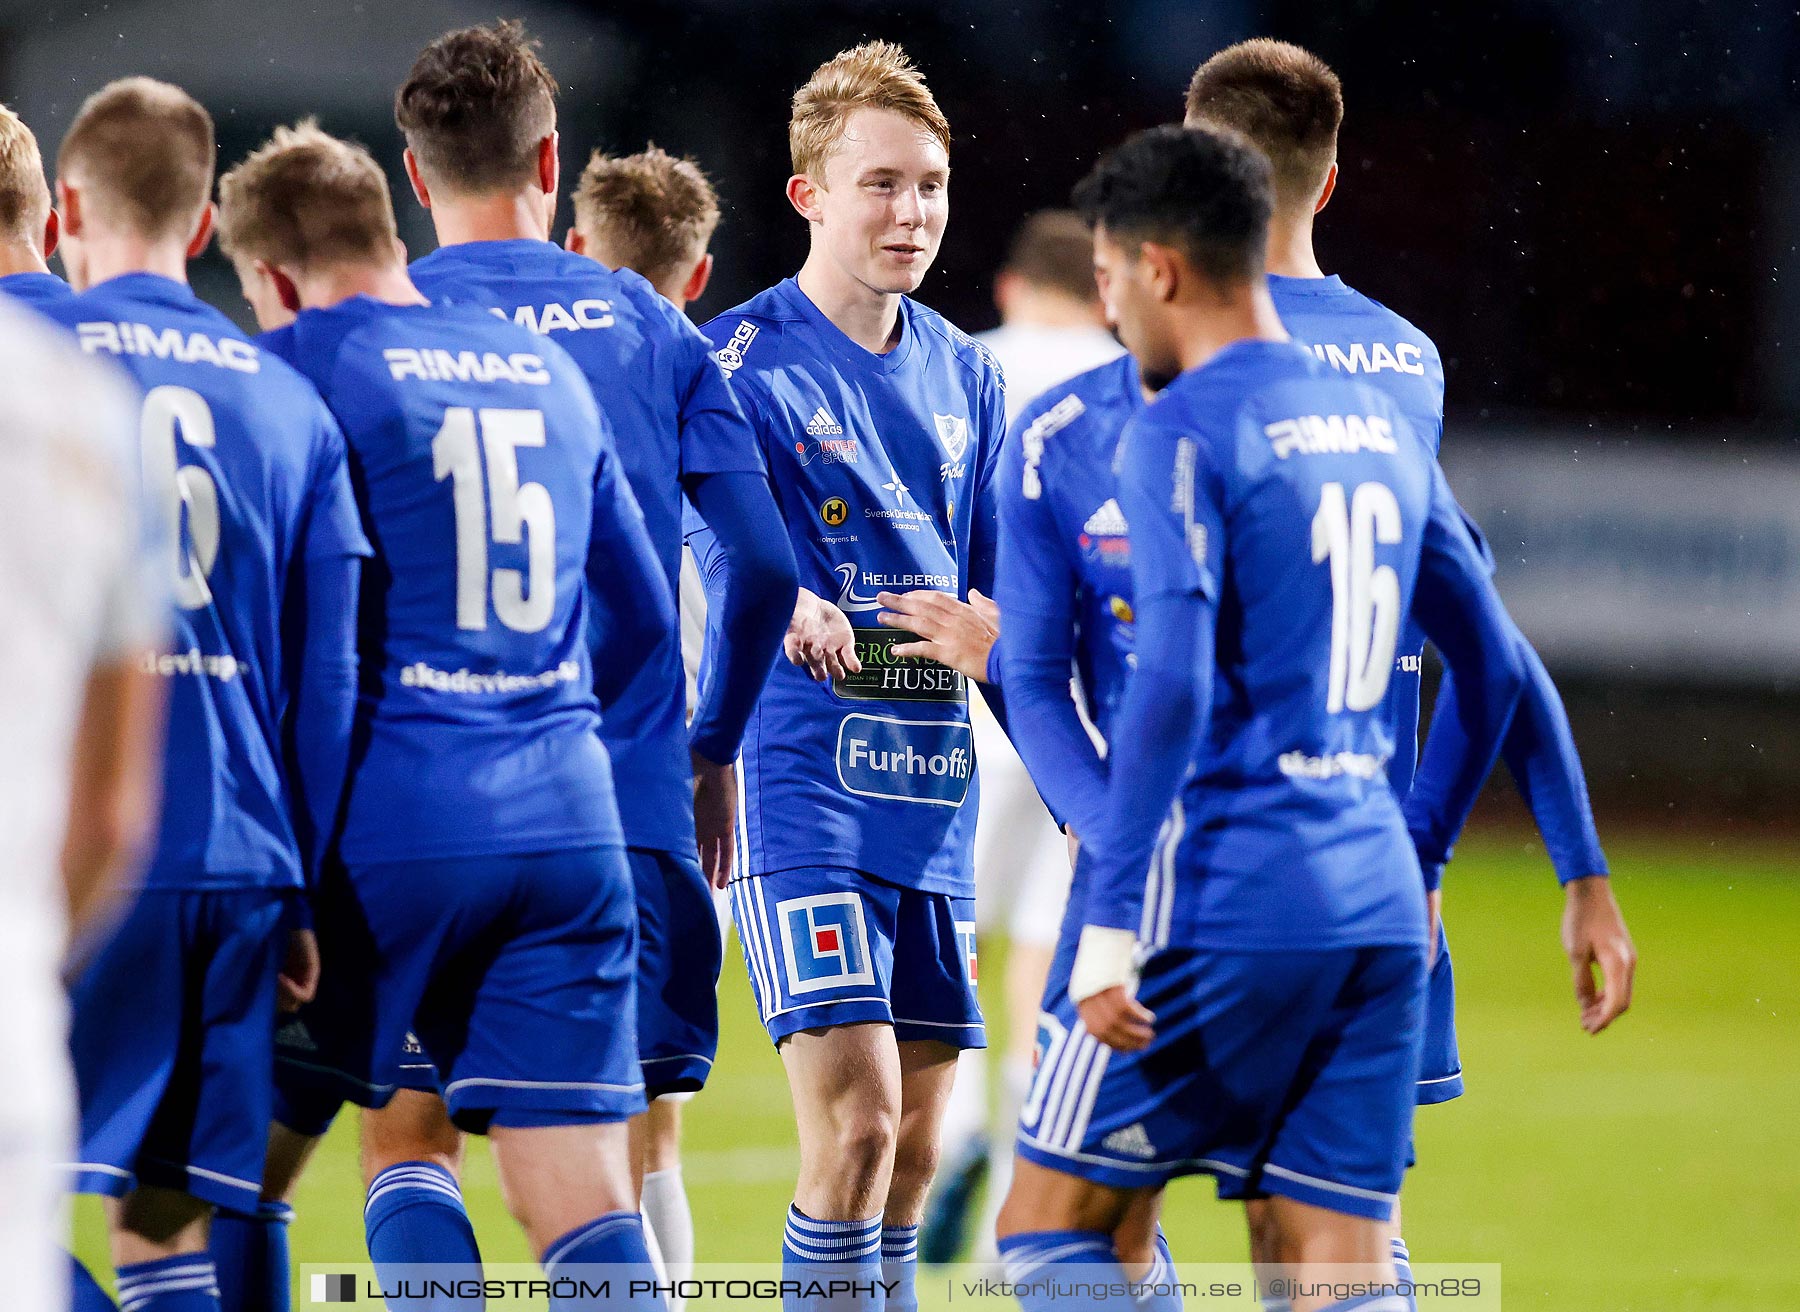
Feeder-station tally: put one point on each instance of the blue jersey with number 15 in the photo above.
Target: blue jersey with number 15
(481, 464)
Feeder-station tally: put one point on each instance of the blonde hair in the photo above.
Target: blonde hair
(650, 211)
(874, 75)
(305, 198)
(24, 196)
(143, 151)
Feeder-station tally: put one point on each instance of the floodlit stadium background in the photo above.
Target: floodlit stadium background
(1594, 209)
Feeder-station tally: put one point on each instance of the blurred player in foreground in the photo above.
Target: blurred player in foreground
(1052, 328)
(654, 215)
(1278, 917)
(881, 424)
(1289, 104)
(81, 759)
(175, 1015)
(495, 920)
(28, 223)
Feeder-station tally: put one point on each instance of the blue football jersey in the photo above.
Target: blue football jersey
(259, 466)
(482, 468)
(1362, 337)
(36, 288)
(1068, 547)
(1300, 502)
(883, 468)
(673, 415)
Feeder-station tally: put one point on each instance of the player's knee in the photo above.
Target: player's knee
(863, 1140)
(412, 1128)
(915, 1160)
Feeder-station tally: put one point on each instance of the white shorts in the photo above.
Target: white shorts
(1021, 858)
(37, 1138)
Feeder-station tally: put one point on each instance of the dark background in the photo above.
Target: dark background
(1590, 205)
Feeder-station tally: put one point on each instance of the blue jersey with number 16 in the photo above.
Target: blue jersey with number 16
(481, 464)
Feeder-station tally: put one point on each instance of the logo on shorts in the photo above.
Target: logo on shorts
(1132, 1141)
(965, 939)
(834, 512)
(824, 942)
(927, 761)
(333, 1288)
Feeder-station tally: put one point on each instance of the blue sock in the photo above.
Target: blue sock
(1157, 1292)
(615, 1240)
(1042, 1265)
(185, 1283)
(1403, 1272)
(88, 1293)
(415, 1216)
(250, 1255)
(900, 1266)
(838, 1261)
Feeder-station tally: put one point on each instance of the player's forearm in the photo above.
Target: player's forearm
(323, 709)
(1464, 617)
(1159, 726)
(757, 589)
(1046, 728)
(1540, 753)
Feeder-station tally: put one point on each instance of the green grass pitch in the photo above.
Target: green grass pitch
(1653, 1169)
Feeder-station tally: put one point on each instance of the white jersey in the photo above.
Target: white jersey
(1034, 359)
(78, 585)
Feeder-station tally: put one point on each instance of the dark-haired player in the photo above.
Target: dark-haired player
(881, 424)
(173, 1018)
(1242, 974)
(484, 901)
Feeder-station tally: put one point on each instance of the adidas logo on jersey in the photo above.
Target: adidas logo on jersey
(1130, 1142)
(1106, 522)
(823, 425)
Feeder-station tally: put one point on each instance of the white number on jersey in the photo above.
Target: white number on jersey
(166, 411)
(521, 513)
(1365, 597)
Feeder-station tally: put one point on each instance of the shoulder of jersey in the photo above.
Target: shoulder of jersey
(750, 333)
(970, 352)
(1084, 394)
(1405, 326)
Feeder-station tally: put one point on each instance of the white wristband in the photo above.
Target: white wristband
(1105, 958)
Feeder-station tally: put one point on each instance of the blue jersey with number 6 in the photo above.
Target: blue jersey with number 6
(254, 467)
(486, 477)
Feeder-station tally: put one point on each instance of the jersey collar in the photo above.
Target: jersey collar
(852, 353)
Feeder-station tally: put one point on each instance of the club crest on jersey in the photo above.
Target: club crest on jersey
(953, 432)
(824, 942)
(730, 356)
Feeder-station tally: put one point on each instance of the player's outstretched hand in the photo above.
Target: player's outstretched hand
(1117, 1019)
(820, 639)
(1595, 937)
(955, 633)
(715, 817)
(299, 978)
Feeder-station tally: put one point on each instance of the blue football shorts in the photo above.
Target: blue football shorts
(171, 1034)
(680, 952)
(831, 946)
(515, 976)
(1290, 1073)
(1440, 1064)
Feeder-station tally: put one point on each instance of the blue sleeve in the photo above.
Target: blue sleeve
(1034, 658)
(1173, 502)
(634, 608)
(716, 436)
(1539, 752)
(984, 534)
(1455, 603)
(750, 548)
(319, 622)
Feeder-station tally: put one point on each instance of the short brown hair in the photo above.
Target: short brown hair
(1285, 99)
(24, 197)
(475, 106)
(144, 152)
(874, 75)
(305, 199)
(650, 211)
(1054, 250)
